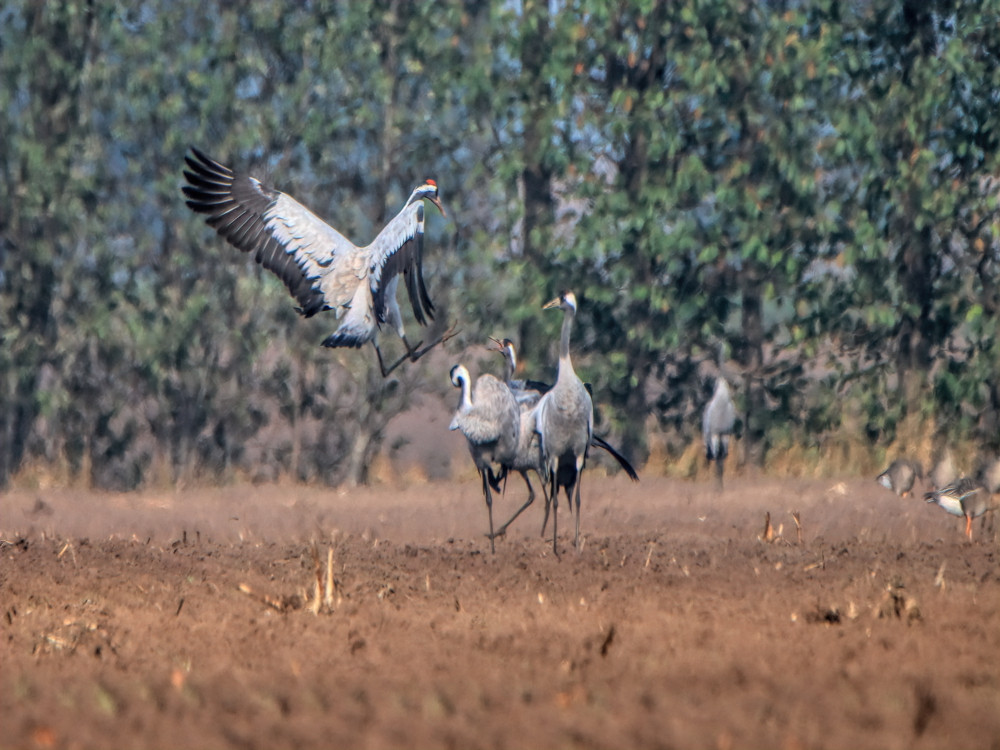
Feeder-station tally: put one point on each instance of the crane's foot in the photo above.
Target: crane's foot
(502, 531)
(412, 355)
(416, 353)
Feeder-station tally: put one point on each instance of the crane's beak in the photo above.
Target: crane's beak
(557, 302)
(437, 202)
(498, 345)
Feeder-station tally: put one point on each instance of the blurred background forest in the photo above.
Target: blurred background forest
(809, 187)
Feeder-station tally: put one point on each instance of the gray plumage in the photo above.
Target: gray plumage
(564, 420)
(322, 269)
(528, 456)
(900, 476)
(527, 392)
(489, 418)
(529, 453)
(966, 497)
(717, 426)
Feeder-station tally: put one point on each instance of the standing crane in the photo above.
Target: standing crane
(322, 269)
(717, 425)
(565, 422)
(489, 418)
(529, 454)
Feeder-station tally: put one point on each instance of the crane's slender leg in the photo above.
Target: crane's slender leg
(720, 464)
(545, 519)
(554, 496)
(968, 526)
(551, 497)
(381, 363)
(531, 498)
(489, 506)
(579, 478)
(412, 353)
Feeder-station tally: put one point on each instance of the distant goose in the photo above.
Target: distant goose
(900, 476)
(965, 497)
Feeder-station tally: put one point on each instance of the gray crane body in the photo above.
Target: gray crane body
(490, 419)
(717, 426)
(565, 422)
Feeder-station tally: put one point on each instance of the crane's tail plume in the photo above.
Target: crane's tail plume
(622, 461)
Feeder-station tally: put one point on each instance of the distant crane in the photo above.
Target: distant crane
(322, 269)
(717, 426)
(489, 418)
(900, 476)
(565, 422)
(966, 497)
(529, 454)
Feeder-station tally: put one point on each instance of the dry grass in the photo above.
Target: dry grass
(843, 453)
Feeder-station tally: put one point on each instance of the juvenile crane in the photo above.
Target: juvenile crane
(489, 418)
(322, 269)
(529, 454)
(565, 422)
(717, 426)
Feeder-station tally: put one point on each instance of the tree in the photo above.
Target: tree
(919, 133)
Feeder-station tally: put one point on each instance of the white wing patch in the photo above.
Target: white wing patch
(320, 250)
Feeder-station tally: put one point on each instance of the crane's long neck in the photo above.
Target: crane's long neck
(511, 364)
(466, 403)
(565, 363)
(721, 388)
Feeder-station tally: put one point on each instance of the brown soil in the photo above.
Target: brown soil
(186, 620)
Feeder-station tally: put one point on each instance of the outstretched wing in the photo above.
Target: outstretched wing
(399, 248)
(284, 236)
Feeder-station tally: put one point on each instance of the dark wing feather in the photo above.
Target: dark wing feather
(399, 249)
(542, 388)
(238, 208)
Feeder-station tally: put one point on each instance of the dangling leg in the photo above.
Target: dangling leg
(968, 526)
(381, 363)
(412, 353)
(415, 354)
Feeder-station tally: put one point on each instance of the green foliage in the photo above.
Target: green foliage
(811, 189)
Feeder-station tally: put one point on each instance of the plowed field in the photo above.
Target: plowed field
(189, 619)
